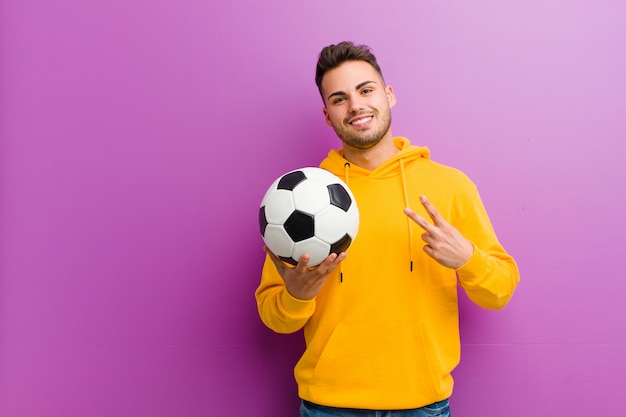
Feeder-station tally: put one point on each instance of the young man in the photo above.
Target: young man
(385, 337)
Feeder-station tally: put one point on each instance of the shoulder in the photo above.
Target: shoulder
(443, 172)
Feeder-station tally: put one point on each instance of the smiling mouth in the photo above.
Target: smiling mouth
(361, 121)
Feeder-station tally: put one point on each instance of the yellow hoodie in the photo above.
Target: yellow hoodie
(384, 335)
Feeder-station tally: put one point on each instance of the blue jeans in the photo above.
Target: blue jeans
(438, 409)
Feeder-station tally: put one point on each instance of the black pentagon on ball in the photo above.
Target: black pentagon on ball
(262, 220)
(341, 245)
(299, 226)
(339, 196)
(291, 180)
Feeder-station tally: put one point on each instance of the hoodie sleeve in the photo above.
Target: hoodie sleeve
(278, 309)
(491, 275)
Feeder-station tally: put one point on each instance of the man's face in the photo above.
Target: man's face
(357, 104)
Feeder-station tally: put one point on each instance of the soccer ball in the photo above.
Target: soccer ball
(308, 211)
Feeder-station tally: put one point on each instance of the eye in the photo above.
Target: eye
(367, 90)
(339, 100)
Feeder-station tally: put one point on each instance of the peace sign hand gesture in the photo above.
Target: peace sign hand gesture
(444, 243)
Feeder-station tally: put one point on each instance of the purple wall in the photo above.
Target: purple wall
(138, 137)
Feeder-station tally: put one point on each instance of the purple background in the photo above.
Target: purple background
(137, 138)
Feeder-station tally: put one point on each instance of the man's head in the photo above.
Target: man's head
(357, 102)
(333, 56)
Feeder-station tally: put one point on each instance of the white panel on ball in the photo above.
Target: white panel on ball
(311, 196)
(330, 224)
(278, 206)
(278, 240)
(315, 248)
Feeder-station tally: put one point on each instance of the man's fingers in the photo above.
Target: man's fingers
(303, 281)
(300, 268)
(431, 210)
(330, 263)
(303, 263)
(422, 222)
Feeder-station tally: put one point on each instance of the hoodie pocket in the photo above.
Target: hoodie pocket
(378, 360)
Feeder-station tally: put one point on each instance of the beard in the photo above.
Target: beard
(365, 139)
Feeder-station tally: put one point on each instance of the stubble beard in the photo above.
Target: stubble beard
(366, 139)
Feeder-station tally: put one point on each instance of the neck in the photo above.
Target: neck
(371, 158)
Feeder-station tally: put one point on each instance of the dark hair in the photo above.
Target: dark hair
(333, 56)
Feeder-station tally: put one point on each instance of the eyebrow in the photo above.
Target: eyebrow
(342, 93)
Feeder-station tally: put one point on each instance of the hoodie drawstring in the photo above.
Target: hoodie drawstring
(408, 219)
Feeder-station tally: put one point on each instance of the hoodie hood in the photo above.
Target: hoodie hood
(336, 163)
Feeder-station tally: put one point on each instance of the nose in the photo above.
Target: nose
(356, 104)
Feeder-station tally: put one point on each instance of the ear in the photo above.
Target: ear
(327, 117)
(391, 97)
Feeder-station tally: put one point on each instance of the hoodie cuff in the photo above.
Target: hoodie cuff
(297, 307)
(474, 267)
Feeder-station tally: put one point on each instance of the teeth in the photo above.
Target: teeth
(362, 121)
